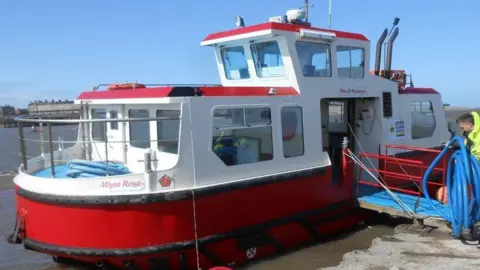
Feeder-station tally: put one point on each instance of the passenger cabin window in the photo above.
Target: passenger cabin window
(292, 131)
(168, 130)
(235, 63)
(350, 62)
(98, 129)
(113, 115)
(268, 59)
(139, 130)
(423, 119)
(242, 135)
(314, 59)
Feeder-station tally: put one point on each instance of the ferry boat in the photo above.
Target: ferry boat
(194, 176)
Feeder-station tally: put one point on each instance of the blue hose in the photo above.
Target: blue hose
(462, 171)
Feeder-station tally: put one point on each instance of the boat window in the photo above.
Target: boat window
(113, 115)
(242, 135)
(423, 119)
(98, 129)
(314, 59)
(336, 116)
(268, 59)
(139, 130)
(168, 131)
(292, 131)
(235, 63)
(350, 62)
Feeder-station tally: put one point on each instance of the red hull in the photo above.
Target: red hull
(270, 215)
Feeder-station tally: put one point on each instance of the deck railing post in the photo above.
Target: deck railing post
(106, 146)
(82, 127)
(50, 143)
(148, 161)
(23, 151)
(42, 143)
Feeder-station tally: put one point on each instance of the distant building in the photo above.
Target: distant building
(7, 110)
(1, 111)
(53, 107)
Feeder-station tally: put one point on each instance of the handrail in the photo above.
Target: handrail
(96, 88)
(79, 121)
(396, 146)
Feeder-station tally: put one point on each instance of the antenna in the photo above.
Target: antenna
(305, 7)
(329, 14)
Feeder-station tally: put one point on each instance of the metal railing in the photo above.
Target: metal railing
(97, 87)
(86, 141)
(398, 173)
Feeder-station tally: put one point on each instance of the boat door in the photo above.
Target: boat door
(116, 135)
(336, 115)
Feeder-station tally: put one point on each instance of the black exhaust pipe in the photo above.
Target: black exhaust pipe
(388, 55)
(378, 55)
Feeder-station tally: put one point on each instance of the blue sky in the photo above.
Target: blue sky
(58, 48)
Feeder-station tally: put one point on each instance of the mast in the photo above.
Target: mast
(329, 14)
(306, 10)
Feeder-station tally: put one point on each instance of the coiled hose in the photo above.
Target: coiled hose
(462, 178)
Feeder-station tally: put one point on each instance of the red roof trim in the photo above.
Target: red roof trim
(282, 27)
(208, 91)
(412, 90)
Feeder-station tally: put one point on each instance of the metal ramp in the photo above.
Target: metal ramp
(402, 175)
(383, 202)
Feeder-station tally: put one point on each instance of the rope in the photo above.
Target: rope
(195, 229)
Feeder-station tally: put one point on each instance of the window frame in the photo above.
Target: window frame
(149, 145)
(113, 125)
(100, 124)
(227, 74)
(290, 106)
(362, 49)
(214, 129)
(329, 57)
(255, 59)
(430, 111)
(178, 132)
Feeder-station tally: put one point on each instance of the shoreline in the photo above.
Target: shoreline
(6, 180)
(412, 247)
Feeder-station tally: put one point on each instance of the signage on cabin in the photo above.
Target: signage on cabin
(123, 185)
(351, 92)
(396, 129)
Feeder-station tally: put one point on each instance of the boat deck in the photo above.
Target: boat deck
(384, 203)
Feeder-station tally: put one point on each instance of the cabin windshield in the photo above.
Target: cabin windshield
(268, 59)
(314, 59)
(235, 63)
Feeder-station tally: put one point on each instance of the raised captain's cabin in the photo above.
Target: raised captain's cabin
(289, 94)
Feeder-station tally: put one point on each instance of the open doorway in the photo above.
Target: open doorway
(338, 118)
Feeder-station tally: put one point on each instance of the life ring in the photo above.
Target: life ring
(124, 86)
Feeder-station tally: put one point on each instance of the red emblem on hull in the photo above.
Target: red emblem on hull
(165, 181)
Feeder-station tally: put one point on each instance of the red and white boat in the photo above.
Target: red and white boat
(225, 174)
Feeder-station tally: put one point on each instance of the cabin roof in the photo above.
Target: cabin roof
(277, 26)
(186, 91)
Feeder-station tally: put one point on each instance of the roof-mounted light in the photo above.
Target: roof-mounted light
(328, 36)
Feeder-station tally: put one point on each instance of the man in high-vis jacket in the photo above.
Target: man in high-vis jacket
(469, 123)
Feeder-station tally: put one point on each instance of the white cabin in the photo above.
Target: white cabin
(291, 92)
